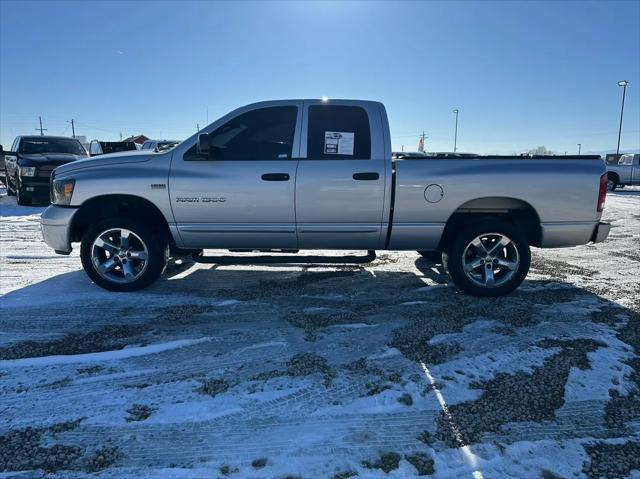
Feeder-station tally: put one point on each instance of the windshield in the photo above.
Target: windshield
(35, 146)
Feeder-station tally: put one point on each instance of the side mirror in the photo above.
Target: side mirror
(204, 147)
(3, 153)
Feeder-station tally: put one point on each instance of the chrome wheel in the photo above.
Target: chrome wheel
(611, 185)
(490, 260)
(119, 255)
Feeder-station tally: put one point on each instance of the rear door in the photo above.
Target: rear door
(242, 195)
(340, 185)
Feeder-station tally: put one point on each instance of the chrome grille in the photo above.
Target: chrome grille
(44, 171)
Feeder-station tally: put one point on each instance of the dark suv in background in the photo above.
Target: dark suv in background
(29, 163)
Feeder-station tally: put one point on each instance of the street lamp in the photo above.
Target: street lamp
(455, 137)
(579, 148)
(623, 84)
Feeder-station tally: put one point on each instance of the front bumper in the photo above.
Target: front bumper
(35, 188)
(56, 227)
(600, 232)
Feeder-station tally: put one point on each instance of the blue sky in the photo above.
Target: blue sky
(522, 73)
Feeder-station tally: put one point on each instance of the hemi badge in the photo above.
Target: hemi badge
(158, 186)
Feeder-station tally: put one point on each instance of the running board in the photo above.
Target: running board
(312, 259)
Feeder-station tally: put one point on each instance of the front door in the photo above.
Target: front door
(240, 194)
(340, 186)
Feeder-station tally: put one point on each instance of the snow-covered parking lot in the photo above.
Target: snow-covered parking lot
(380, 370)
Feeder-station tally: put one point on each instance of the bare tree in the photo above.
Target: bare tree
(541, 150)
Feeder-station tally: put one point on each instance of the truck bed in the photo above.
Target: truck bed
(561, 191)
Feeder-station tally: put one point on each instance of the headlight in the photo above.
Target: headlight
(27, 171)
(62, 191)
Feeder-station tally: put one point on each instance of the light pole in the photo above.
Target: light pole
(623, 84)
(579, 148)
(455, 137)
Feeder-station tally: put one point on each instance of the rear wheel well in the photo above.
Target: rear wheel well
(613, 176)
(119, 206)
(515, 212)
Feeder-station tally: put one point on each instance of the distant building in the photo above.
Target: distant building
(137, 139)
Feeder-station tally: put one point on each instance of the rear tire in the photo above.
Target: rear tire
(434, 256)
(611, 184)
(121, 254)
(489, 258)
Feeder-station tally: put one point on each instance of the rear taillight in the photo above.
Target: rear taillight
(602, 194)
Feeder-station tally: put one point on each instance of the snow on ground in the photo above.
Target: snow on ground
(261, 371)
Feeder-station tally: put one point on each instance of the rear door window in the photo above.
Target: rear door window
(338, 132)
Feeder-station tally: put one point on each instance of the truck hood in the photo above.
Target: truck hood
(105, 160)
(48, 159)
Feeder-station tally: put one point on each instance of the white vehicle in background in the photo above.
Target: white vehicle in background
(625, 173)
(159, 145)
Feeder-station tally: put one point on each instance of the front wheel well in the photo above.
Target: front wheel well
(518, 213)
(119, 206)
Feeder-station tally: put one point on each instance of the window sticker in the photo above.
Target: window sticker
(338, 143)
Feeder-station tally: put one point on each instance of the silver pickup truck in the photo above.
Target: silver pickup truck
(625, 173)
(316, 174)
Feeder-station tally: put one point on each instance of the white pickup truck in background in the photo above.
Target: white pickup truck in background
(625, 173)
(313, 174)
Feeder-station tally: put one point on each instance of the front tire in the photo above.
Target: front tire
(21, 198)
(10, 192)
(489, 258)
(120, 254)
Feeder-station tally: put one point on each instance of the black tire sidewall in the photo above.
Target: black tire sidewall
(7, 181)
(157, 246)
(21, 198)
(453, 258)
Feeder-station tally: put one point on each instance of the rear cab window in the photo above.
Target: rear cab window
(338, 132)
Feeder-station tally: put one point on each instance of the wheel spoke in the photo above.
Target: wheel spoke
(489, 280)
(479, 246)
(127, 269)
(124, 239)
(141, 255)
(510, 265)
(107, 266)
(473, 265)
(106, 245)
(499, 245)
